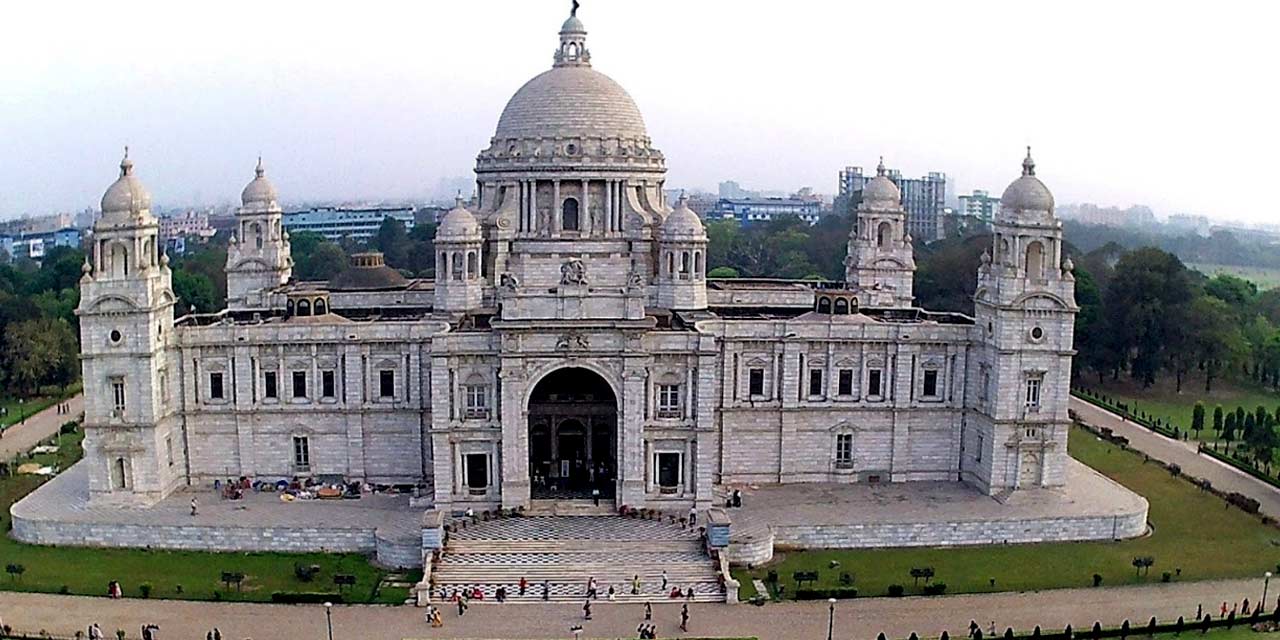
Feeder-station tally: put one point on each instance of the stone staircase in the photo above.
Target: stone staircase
(566, 551)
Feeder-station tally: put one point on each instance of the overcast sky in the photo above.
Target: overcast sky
(1124, 102)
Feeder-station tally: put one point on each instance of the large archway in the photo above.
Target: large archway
(573, 436)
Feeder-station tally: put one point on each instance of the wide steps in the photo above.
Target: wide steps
(562, 546)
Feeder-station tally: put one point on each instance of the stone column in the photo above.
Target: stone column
(608, 208)
(533, 206)
(589, 225)
(631, 437)
(555, 209)
(515, 437)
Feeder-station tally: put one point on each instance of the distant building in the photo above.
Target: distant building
(428, 215)
(335, 223)
(980, 205)
(1198, 225)
(37, 224)
(731, 189)
(925, 199)
(749, 210)
(35, 245)
(187, 223)
(1134, 216)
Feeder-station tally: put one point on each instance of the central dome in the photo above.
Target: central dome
(571, 101)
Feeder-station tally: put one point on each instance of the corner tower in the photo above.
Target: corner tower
(1024, 308)
(880, 263)
(258, 258)
(133, 450)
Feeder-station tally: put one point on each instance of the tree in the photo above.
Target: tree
(1217, 419)
(1143, 564)
(1237, 292)
(15, 570)
(393, 242)
(324, 262)
(1146, 308)
(723, 272)
(38, 353)
(1213, 338)
(1229, 428)
(1197, 418)
(195, 292)
(1250, 425)
(1239, 417)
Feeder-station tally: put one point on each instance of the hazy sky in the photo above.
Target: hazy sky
(1124, 102)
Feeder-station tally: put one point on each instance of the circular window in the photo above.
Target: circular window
(571, 148)
(115, 336)
(1037, 334)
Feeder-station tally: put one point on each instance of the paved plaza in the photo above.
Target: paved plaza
(859, 619)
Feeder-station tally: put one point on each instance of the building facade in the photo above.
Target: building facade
(925, 199)
(35, 245)
(570, 343)
(751, 210)
(980, 205)
(335, 223)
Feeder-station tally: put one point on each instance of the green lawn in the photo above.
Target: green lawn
(171, 574)
(1162, 401)
(1263, 277)
(1192, 532)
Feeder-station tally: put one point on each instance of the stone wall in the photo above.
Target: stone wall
(947, 534)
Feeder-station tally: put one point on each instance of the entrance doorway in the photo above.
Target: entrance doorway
(573, 443)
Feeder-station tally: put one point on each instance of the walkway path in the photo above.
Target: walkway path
(1184, 455)
(19, 438)
(859, 619)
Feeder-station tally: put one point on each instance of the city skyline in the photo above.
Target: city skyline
(386, 104)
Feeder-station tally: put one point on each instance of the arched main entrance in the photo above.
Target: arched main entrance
(573, 441)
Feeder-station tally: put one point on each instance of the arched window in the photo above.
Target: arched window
(472, 264)
(1003, 258)
(824, 305)
(304, 308)
(883, 234)
(442, 266)
(569, 215)
(697, 264)
(671, 264)
(456, 266)
(684, 265)
(149, 251)
(320, 307)
(288, 308)
(842, 307)
(1035, 261)
(119, 260)
(257, 235)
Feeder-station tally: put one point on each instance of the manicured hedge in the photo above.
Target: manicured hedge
(305, 597)
(839, 593)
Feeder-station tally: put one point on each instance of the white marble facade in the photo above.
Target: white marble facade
(571, 342)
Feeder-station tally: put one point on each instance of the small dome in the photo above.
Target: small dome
(881, 190)
(682, 221)
(458, 224)
(367, 272)
(1026, 194)
(573, 25)
(126, 197)
(259, 193)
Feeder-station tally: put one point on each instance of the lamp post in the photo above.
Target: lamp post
(1266, 581)
(328, 617)
(831, 616)
(22, 414)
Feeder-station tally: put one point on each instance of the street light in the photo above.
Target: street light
(1266, 581)
(328, 617)
(22, 414)
(831, 616)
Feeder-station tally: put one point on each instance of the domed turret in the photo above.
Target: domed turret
(881, 191)
(1027, 194)
(126, 199)
(259, 193)
(682, 222)
(458, 223)
(459, 253)
(682, 250)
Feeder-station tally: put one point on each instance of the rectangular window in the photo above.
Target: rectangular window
(1033, 393)
(299, 384)
(328, 384)
(977, 457)
(668, 401)
(844, 450)
(117, 396)
(301, 453)
(269, 389)
(669, 471)
(477, 473)
(386, 384)
(215, 385)
(168, 448)
(873, 382)
(815, 382)
(930, 383)
(756, 382)
(477, 400)
(846, 382)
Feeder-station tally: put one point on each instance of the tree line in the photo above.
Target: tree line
(39, 330)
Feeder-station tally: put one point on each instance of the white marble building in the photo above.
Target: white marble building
(571, 342)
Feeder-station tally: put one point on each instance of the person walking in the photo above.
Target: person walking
(1244, 607)
(462, 607)
(635, 585)
(684, 618)
(217, 635)
(586, 610)
(546, 590)
(195, 505)
(524, 584)
(693, 516)
(95, 632)
(664, 581)
(1223, 613)
(648, 611)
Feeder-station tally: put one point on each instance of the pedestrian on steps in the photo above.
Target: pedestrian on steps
(635, 585)
(524, 584)
(546, 590)
(664, 581)
(586, 610)
(648, 611)
(684, 618)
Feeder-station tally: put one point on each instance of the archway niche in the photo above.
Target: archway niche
(573, 441)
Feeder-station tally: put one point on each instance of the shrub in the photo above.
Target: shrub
(64, 590)
(935, 589)
(839, 593)
(1097, 580)
(1166, 577)
(305, 573)
(145, 589)
(896, 590)
(1175, 470)
(846, 579)
(305, 597)
(1245, 503)
(69, 428)
(772, 576)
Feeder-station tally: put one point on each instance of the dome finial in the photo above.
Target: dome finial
(573, 11)
(126, 165)
(1028, 165)
(880, 167)
(573, 42)
(259, 170)
(457, 199)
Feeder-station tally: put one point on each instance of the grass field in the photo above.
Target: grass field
(1192, 532)
(171, 574)
(1162, 401)
(1261, 276)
